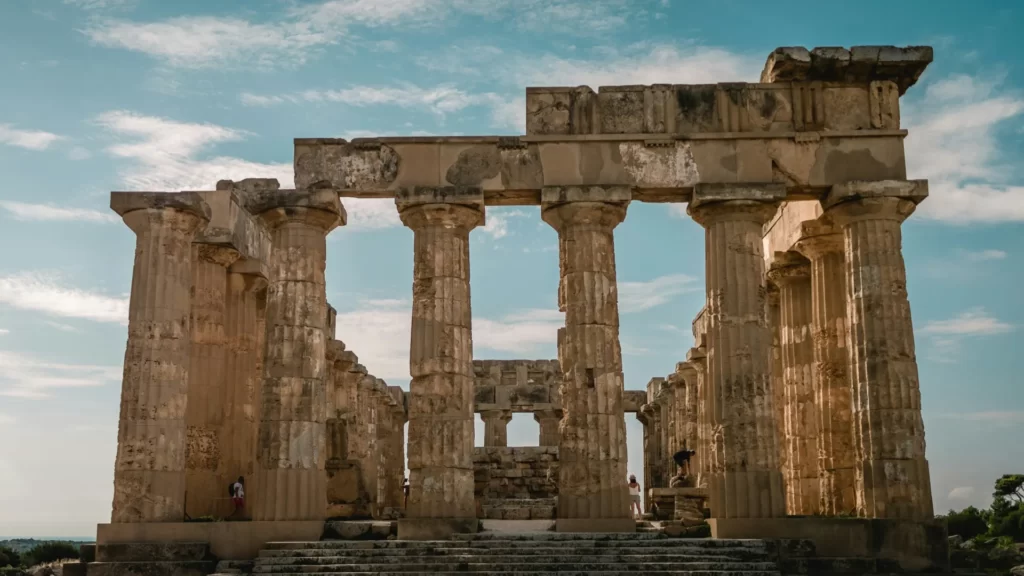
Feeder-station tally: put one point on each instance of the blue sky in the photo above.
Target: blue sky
(101, 95)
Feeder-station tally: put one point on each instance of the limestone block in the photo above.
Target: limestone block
(858, 65)
(561, 111)
(231, 225)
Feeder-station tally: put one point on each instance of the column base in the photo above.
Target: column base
(602, 525)
(435, 528)
(916, 546)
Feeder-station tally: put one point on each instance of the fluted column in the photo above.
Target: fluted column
(792, 274)
(205, 415)
(441, 361)
(395, 496)
(747, 483)
(822, 243)
(892, 475)
(149, 470)
(290, 479)
(592, 449)
(644, 417)
(697, 358)
(496, 427)
(778, 381)
(548, 421)
(687, 412)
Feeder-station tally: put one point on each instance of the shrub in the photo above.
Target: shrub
(1010, 526)
(967, 523)
(51, 552)
(8, 557)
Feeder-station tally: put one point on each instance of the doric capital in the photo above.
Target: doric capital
(603, 215)
(335, 348)
(771, 293)
(874, 200)
(697, 357)
(728, 201)
(457, 216)
(549, 414)
(319, 208)
(185, 212)
(492, 415)
(686, 370)
(818, 238)
(188, 202)
(789, 267)
(219, 255)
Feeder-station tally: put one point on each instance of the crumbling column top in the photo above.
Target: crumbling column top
(818, 237)
(605, 207)
(913, 190)
(696, 356)
(712, 202)
(859, 64)
(789, 266)
(190, 202)
(323, 205)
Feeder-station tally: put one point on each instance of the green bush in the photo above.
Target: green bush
(967, 523)
(8, 557)
(50, 552)
(12, 571)
(1010, 526)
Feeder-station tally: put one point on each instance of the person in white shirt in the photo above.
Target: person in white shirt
(634, 497)
(238, 495)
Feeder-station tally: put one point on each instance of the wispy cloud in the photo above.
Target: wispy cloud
(640, 296)
(100, 4)
(439, 100)
(166, 154)
(973, 322)
(6, 419)
(497, 220)
(953, 143)
(998, 417)
(299, 34)
(28, 139)
(26, 376)
(45, 292)
(4, 331)
(984, 255)
(61, 327)
(378, 332)
(49, 212)
(961, 493)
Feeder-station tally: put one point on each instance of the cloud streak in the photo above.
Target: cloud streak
(640, 296)
(25, 376)
(49, 213)
(973, 322)
(27, 139)
(44, 292)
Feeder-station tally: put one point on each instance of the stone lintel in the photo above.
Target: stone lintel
(912, 190)
(655, 167)
(704, 194)
(125, 202)
(556, 195)
(249, 185)
(632, 400)
(858, 65)
(232, 226)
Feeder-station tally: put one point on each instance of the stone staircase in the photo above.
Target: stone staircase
(523, 555)
(518, 508)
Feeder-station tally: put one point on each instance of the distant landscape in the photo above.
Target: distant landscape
(21, 545)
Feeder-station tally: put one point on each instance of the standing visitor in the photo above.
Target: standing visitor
(238, 496)
(634, 497)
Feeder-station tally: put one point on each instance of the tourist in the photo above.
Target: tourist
(405, 490)
(238, 496)
(634, 497)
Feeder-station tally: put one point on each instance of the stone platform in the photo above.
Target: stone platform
(226, 540)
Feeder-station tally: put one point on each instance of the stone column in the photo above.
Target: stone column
(778, 382)
(149, 471)
(244, 335)
(747, 483)
(548, 421)
(687, 411)
(204, 417)
(395, 497)
(643, 415)
(697, 358)
(290, 479)
(822, 243)
(791, 272)
(892, 476)
(496, 427)
(441, 362)
(592, 449)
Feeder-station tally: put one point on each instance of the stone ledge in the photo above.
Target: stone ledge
(601, 525)
(915, 546)
(227, 540)
(435, 528)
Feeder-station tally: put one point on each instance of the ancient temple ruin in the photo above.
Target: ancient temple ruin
(799, 397)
